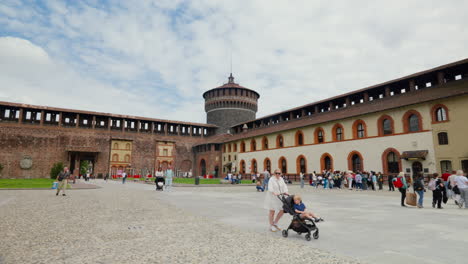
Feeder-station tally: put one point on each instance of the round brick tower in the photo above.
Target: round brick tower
(229, 105)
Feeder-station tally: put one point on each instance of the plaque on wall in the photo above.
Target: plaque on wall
(26, 163)
(426, 170)
(408, 170)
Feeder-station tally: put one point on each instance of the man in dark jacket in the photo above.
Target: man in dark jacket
(390, 183)
(62, 179)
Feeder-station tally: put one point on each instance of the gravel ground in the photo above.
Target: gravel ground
(130, 224)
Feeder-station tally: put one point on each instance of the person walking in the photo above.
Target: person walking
(380, 180)
(169, 174)
(314, 179)
(276, 187)
(349, 175)
(301, 177)
(62, 179)
(454, 194)
(266, 178)
(124, 177)
(437, 186)
(418, 187)
(374, 181)
(106, 177)
(400, 183)
(461, 182)
(391, 187)
(358, 180)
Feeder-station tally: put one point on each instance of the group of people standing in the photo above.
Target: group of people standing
(450, 186)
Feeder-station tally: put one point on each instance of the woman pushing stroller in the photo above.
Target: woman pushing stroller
(276, 187)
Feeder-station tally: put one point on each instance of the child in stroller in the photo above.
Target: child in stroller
(299, 224)
(300, 208)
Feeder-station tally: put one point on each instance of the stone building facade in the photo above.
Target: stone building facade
(416, 123)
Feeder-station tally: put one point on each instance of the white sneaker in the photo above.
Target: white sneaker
(273, 229)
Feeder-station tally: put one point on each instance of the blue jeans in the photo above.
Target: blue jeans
(358, 185)
(421, 197)
(260, 188)
(302, 183)
(123, 179)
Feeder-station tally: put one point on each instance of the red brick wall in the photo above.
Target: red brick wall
(47, 145)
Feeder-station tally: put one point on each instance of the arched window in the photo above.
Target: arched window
(116, 145)
(224, 148)
(115, 157)
(301, 164)
(299, 138)
(264, 143)
(203, 167)
(242, 166)
(283, 165)
(279, 141)
(267, 164)
(319, 135)
(254, 166)
(359, 129)
(326, 162)
(337, 131)
(253, 145)
(242, 146)
(127, 146)
(412, 121)
(229, 148)
(443, 138)
(355, 161)
(391, 162)
(127, 158)
(385, 125)
(235, 147)
(229, 157)
(439, 113)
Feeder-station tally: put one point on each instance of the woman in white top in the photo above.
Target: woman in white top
(462, 183)
(276, 186)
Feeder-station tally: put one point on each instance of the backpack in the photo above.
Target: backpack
(398, 183)
(432, 185)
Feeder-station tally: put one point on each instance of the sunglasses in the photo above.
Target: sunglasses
(277, 173)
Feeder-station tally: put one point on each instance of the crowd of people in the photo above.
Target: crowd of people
(450, 186)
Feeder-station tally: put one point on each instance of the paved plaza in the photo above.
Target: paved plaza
(132, 223)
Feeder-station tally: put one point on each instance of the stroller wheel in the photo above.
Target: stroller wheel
(307, 237)
(285, 233)
(316, 234)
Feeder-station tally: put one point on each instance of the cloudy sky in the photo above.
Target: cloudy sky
(156, 58)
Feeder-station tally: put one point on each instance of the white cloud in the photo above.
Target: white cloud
(155, 58)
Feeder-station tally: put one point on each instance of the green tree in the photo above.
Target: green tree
(56, 169)
(84, 166)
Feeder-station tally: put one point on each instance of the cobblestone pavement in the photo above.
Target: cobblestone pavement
(132, 223)
(367, 225)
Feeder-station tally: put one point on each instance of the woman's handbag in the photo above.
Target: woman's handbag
(456, 190)
(411, 199)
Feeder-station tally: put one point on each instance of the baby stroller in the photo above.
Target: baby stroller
(159, 183)
(297, 224)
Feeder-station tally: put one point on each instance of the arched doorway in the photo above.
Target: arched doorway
(203, 167)
(357, 163)
(417, 168)
(267, 165)
(216, 171)
(283, 165)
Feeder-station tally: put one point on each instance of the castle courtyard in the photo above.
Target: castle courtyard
(133, 223)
